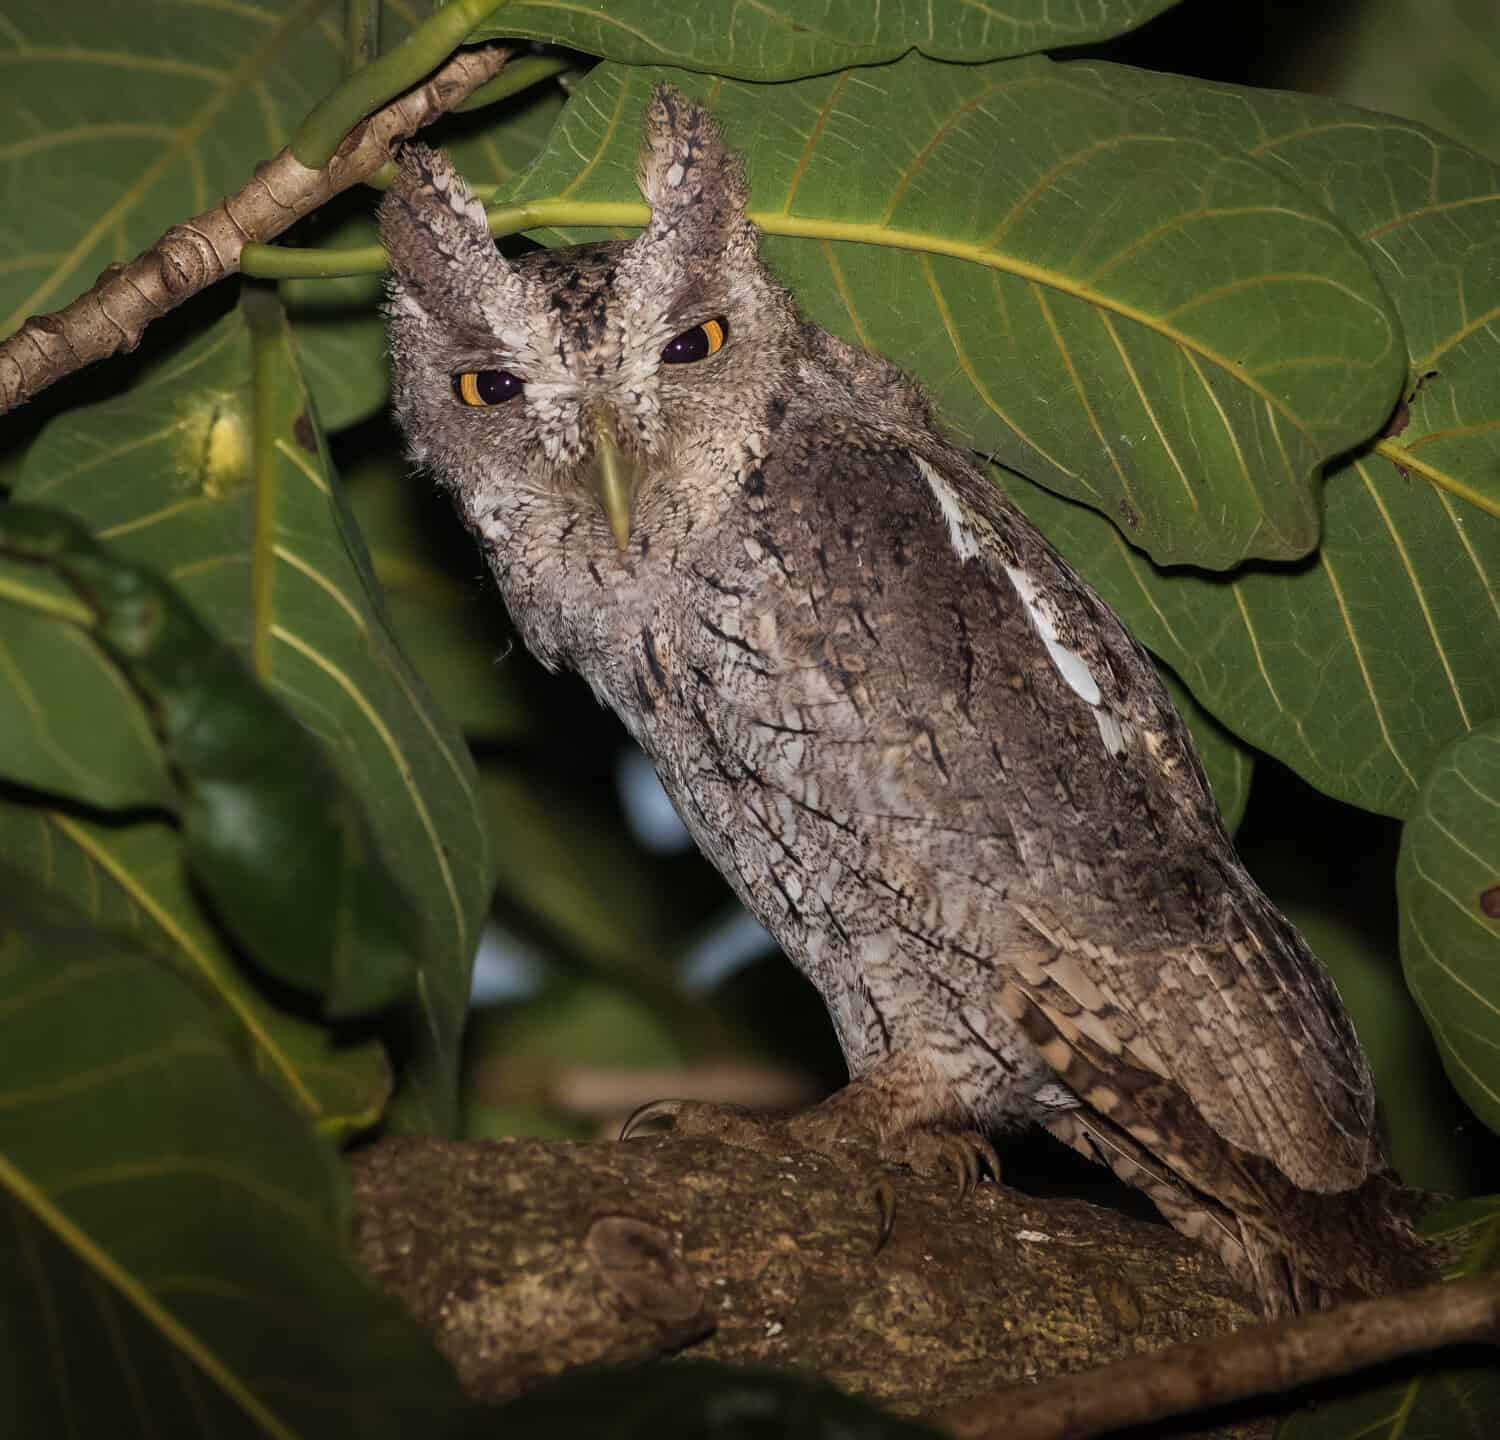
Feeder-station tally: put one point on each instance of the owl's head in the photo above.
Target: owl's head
(585, 386)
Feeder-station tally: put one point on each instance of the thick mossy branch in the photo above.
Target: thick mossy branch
(526, 1259)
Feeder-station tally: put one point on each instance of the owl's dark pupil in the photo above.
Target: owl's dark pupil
(487, 387)
(696, 344)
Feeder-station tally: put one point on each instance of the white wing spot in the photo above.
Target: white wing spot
(1069, 664)
(1115, 733)
(965, 546)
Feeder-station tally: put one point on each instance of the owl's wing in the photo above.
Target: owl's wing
(1194, 996)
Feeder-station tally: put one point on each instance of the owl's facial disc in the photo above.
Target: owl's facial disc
(616, 475)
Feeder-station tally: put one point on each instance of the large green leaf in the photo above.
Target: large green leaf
(1097, 283)
(171, 1235)
(1358, 667)
(132, 881)
(121, 121)
(213, 471)
(785, 40)
(1456, 1395)
(1448, 882)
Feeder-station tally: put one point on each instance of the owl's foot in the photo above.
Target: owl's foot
(835, 1129)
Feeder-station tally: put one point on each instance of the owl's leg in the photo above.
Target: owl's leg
(902, 1110)
(897, 1112)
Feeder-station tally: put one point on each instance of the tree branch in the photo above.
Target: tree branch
(113, 315)
(1261, 1360)
(525, 1259)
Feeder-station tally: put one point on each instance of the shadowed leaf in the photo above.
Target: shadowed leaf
(128, 1153)
(283, 851)
(213, 472)
(132, 878)
(1448, 883)
(69, 722)
(782, 41)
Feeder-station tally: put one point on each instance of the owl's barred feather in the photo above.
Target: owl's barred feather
(925, 754)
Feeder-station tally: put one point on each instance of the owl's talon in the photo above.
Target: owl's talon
(652, 1110)
(983, 1150)
(883, 1193)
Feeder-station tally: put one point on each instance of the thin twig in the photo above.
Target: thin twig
(321, 136)
(113, 315)
(1260, 1360)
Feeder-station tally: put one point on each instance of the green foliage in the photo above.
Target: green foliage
(265, 819)
(786, 41)
(1230, 348)
(962, 250)
(1449, 884)
(172, 1237)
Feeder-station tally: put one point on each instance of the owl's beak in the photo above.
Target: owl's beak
(615, 476)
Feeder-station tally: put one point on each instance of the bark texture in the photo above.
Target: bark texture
(527, 1259)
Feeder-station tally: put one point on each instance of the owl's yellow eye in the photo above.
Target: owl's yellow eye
(487, 387)
(698, 343)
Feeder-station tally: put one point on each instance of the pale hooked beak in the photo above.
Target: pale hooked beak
(615, 476)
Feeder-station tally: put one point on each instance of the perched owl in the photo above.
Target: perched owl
(925, 754)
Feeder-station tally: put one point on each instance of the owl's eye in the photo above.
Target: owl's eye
(698, 343)
(487, 387)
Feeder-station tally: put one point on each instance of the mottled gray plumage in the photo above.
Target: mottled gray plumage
(922, 750)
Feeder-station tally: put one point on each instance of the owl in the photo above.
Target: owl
(923, 752)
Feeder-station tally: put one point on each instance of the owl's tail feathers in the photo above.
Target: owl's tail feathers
(1295, 1250)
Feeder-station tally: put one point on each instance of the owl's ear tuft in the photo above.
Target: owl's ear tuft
(430, 223)
(693, 182)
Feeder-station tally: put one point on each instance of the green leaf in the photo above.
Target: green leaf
(1457, 1393)
(281, 848)
(1437, 61)
(1393, 629)
(172, 1245)
(786, 40)
(69, 722)
(454, 629)
(1448, 884)
(213, 472)
(133, 881)
(122, 123)
(1096, 282)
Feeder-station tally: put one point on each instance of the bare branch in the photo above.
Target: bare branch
(113, 315)
(1260, 1360)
